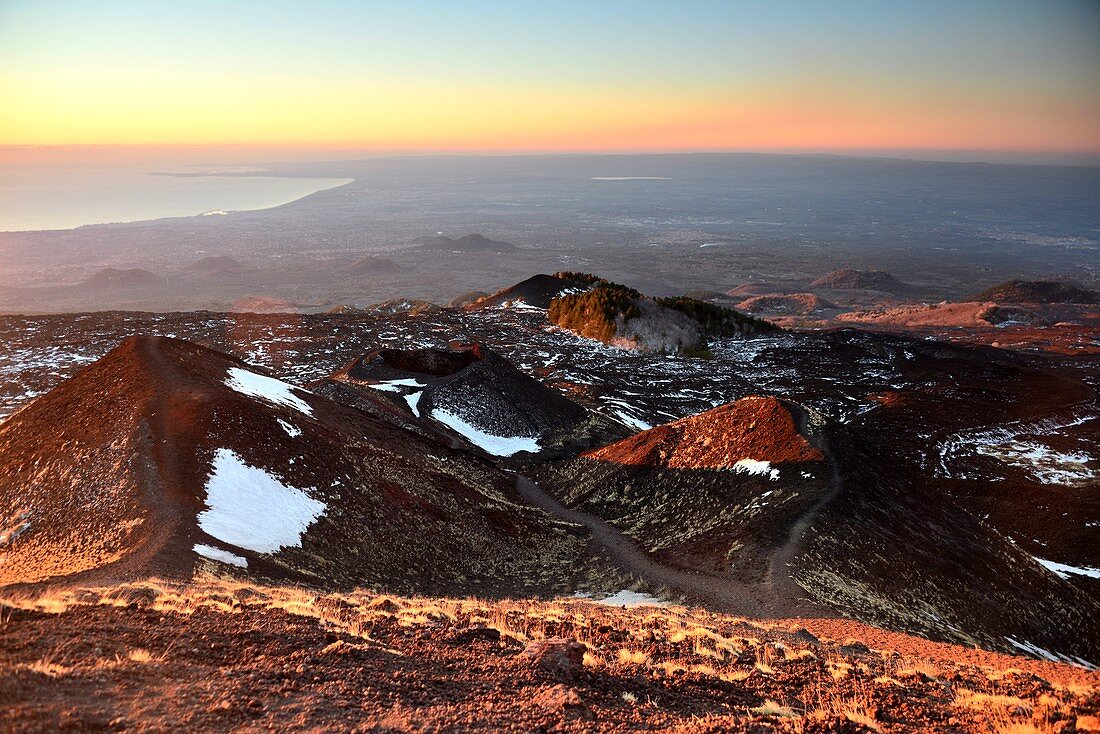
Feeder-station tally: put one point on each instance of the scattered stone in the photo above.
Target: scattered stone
(557, 656)
(564, 700)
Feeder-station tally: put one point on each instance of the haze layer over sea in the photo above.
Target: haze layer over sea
(60, 193)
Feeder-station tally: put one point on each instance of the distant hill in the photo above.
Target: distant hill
(373, 264)
(757, 289)
(1037, 291)
(847, 279)
(466, 299)
(785, 304)
(467, 243)
(215, 263)
(619, 315)
(411, 306)
(537, 291)
(129, 278)
(262, 304)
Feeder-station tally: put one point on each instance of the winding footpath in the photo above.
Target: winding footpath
(715, 591)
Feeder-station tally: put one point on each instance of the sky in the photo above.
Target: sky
(842, 75)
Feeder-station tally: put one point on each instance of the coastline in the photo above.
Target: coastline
(328, 184)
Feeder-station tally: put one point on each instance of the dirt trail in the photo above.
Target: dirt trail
(715, 591)
(781, 559)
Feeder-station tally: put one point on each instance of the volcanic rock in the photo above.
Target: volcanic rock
(559, 657)
(476, 393)
(537, 291)
(164, 457)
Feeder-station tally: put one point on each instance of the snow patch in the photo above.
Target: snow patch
(496, 445)
(291, 430)
(626, 598)
(217, 554)
(413, 399)
(267, 389)
(521, 305)
(752, 466)
(1042, 462)
(249, 508)
(1040, 652)
(1064, 571)
(395, 385)
(632, 422)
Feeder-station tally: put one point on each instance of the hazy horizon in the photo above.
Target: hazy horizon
(843, 76)
(245, 154)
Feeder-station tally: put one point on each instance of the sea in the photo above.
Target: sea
(38, 197)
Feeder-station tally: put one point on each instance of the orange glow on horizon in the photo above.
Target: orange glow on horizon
(92, 109)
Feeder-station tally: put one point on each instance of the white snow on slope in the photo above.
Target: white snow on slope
(217, 554)
(267, 388)
(1042, 462)
(627, 598)
(752, 466)
(413, 399)
(291, 430)
(631, 422)
(496, 445)
(395, 385)
(520, 305)
(1064, 571)
(251, 509)
(1041, 652)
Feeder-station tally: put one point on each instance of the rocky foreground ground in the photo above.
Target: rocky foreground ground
(215, 655)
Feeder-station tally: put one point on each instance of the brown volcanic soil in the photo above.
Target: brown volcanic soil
(781, 304)
(1057, 328)
(217, 657)
(759, 428)
(110, 471)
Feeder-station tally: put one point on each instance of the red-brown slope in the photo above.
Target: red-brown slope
(221, 656)
(785, 304)
(755, 428)
(115, 468)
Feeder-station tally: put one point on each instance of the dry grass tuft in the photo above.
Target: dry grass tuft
(48, 669)
(632, 657)
(143, 656)
(856, 707)
(772, 708)
(966, 698)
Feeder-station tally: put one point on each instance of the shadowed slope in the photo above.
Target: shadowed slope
(164, 455)
(765, 491)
